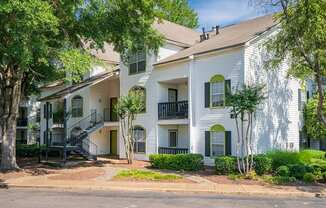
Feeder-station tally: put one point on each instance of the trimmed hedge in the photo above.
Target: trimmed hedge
(281, 158)
(283, 171)
(225, 165)
(187, 162)
(262, 164)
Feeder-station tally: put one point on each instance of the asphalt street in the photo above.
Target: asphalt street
(48, 198)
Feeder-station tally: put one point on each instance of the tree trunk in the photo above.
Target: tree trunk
(10, 91)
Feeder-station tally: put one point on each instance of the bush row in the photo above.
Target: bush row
(187, 162)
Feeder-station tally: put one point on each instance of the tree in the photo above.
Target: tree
(312, 125)
(244, 103)
(127, 108)
(41, 40)
(179, 11)
(302, 41)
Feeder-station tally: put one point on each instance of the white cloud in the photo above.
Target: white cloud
(223, 12)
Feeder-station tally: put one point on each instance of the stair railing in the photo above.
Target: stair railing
(87, 122)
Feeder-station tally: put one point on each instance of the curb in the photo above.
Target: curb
(96, 188)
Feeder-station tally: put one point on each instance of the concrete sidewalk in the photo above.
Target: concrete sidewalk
(201, 186)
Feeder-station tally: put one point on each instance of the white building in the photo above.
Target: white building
(185, 86)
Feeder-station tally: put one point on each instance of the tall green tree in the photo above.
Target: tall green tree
(179, 11)
(44, 39)
(301, 41)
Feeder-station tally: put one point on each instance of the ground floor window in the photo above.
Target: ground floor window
(139, 140)
(217, 143)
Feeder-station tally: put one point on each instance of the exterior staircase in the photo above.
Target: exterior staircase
(80, 143)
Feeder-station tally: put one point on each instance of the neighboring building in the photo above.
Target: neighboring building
(185, 86)
(27, 130)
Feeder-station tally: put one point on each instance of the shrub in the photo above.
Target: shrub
(306, 156)
(323, 177)
(297, 171)
(280, 158)
(280, 180)
(309, 178)
(28, 150)
(188, 162)
(225, 165)
(283, 171)
(262, 164)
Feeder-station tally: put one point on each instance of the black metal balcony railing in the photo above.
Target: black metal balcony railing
(172, 150)
(22, 121)
(173, 110)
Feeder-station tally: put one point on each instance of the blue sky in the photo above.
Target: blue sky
(223, 12)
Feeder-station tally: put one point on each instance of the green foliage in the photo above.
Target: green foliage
(225, 165)
(280, 180)
(28, 150)
(283, 171)
(179, 11)
(146, 175)
(309, 178)
(306, 156)
(280, 158)
(262, 164)
(187, 162)
(246, 99)
(297, 170)
(312, 125)
(129, 105)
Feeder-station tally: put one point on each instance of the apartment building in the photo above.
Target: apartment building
(185, 87)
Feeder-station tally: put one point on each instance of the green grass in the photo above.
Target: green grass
(146, 175)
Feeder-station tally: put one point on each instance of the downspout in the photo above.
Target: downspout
(191, 103)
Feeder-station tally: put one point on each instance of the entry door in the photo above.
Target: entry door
(172, 95)
(113, 114)
(113, 142)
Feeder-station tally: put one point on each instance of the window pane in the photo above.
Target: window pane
(141, 147)
(217, 94)
(141, 66)
(217, 150)
(173, 138)
(218, 137)
(217, 100)
(133, 68)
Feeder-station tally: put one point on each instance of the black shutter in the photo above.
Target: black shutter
(44, 110)
(228, 143)
(50, 142)
(44, 137)
(207, 94)
(227, 92)
(207, 144)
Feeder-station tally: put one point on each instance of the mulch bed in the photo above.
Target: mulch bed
(80, 175)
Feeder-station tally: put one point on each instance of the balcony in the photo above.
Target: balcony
(22, 122)
(173, 110)
(172, 150)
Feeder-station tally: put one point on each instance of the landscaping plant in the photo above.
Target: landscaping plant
(127, 108)
(244, 103)
(187, 162)
(225, 165)
(262, 164)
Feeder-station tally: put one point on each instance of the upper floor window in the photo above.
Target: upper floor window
(137, 62)
(77, 106)
(141, 91)
(139, 139)
(217, 91)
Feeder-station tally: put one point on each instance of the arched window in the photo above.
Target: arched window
(139, 139)
(77, 106)
(142, 92)
(217, 140)
(217, 91)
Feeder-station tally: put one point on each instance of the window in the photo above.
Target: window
(217, 143)
(139, 139)
(173, 138)
(137, 62)
(217, 94)
(77, 106)
(142, 92)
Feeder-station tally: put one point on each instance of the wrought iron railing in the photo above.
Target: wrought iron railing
(173, 110)
(172, 150)
(87, 122)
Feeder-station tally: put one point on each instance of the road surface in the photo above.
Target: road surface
(46, 198)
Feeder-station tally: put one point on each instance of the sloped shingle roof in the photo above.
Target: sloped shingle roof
(229, 36)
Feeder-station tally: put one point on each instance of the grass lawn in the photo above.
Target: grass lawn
(146, 175)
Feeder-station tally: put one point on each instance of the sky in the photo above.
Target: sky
(224, 12)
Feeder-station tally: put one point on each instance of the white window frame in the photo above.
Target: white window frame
(212, 94)
(177, 135)
(138, 140)
(136, 58)
(212, 143)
